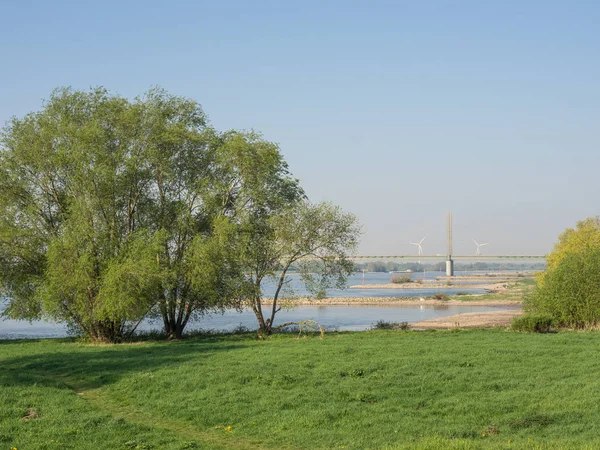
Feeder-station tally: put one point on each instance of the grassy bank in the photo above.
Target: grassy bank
(461, 389)
(516, 291)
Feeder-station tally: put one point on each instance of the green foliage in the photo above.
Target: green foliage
(72, 182)
(111, 209)
(316, 238)
(586, 234)
(570, 292)
(533, 323)
(401, 279)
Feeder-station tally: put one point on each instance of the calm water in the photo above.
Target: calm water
(343, 318)
(338, 317)
(295, 287)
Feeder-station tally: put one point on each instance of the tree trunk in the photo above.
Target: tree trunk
(175, 322)
(264, 327)
(106, 331)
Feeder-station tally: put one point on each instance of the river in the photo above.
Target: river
(333, 317)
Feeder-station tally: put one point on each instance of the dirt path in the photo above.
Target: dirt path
(471, 320)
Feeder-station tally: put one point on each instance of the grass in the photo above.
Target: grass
(376, 389)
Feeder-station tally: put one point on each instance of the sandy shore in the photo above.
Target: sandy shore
(470, 320)
(490, 287)
(391, 302)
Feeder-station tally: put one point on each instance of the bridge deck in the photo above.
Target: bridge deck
(444, 257)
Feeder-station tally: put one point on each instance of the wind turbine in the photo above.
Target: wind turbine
(418, 244)
(478, 252)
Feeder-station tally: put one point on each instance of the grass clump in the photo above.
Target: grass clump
(533, 323)
(440, 296)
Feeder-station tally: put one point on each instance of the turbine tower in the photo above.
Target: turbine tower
(478, 252)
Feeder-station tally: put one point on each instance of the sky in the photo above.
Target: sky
(398, 111)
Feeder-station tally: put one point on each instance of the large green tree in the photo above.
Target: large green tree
(104, 214)
(114, 210)
(70, 188)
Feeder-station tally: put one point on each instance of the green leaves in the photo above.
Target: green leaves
(570, 292)
(95, 191)
(111, 209)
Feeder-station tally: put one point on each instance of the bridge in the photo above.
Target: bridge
(448, 257)
(445, 257)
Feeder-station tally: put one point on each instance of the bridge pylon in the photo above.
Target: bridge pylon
(449, 262)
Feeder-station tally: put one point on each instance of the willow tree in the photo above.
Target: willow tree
(316, 239)
(104, 214)
(71, 181)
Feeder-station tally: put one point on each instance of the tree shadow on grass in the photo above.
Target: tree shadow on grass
(82, 367)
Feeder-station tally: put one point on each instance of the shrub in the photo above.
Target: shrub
(401, 279)
(570, 292)
(384, 325)
(440, 296)
(533, 323)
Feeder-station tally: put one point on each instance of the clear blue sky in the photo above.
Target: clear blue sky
(397, 111)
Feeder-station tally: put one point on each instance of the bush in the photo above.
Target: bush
(401, 279)
(533, 323)
(570, 292)
(384, 325)
(440, 296)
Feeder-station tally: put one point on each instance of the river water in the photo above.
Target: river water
(342, 318)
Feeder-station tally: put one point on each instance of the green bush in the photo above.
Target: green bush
(533, 323)
(401, 279)
(383, 325)
(570, 292)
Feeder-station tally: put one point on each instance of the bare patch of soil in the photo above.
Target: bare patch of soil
(31, 414)
(471, 320)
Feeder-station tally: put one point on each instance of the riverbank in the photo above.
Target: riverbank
(394, 301)
(497, 287)
(470, 320)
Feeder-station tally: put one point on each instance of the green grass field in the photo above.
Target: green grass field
(377, 389)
